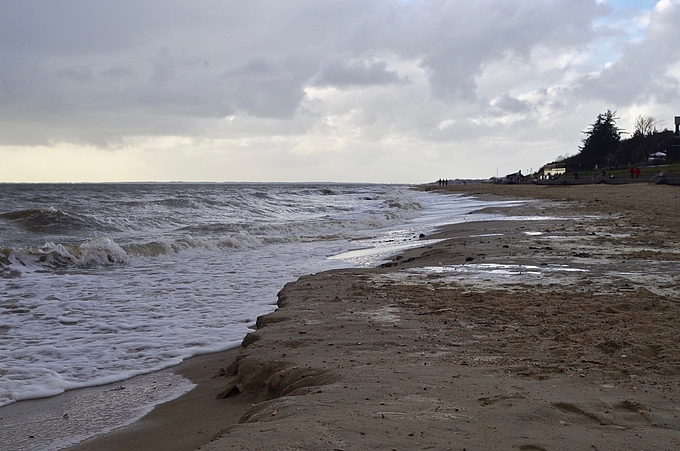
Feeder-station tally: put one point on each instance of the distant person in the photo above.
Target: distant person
(632, 171)
(637, 173)
(575, 175)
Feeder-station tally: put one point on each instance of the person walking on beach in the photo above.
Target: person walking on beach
(637, 173)
(632, 171)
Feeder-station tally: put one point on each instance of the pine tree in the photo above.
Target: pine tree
(601, 145)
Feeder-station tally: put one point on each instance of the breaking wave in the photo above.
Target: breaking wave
(105, 251)
(96, 252)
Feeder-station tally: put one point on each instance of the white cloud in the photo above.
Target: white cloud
(639, 74)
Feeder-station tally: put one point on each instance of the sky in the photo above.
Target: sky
(395, 91)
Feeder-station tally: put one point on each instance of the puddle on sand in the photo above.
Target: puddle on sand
(491, 269)
(661, 278)
(487, 275)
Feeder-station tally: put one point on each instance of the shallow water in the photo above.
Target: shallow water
(60, 421)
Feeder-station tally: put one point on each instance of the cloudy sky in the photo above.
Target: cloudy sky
(321, 90)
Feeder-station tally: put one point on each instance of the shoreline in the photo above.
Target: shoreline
(183, 423)
(425, 351)
(141, 404)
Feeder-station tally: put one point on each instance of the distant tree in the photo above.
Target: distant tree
(648, 138)
(647, 125)
(601, 144)
(632, 150)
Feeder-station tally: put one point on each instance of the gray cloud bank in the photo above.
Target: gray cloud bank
(95, 72)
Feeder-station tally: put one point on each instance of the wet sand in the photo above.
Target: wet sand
(529, 334)
(184, 423)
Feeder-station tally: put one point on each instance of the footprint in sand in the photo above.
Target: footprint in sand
(581, 414)
(624, 414)
(532, 448)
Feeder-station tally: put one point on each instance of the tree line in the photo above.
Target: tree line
(604, 145)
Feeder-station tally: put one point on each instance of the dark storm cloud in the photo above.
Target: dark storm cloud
(512, 105)
(40, 28)
(278, 90)
(352, 72)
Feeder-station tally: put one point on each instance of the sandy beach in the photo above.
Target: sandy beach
(554, 329)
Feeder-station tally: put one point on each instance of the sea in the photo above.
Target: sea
(103, 282)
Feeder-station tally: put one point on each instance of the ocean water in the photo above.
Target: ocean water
(103, 282)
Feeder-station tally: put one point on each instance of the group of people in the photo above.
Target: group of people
(443, 182)
(634, 172)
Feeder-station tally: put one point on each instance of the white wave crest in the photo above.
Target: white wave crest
(101, 251)
(96, 252)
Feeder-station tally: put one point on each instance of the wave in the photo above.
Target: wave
(51, 220)
(218, 210)
(96, 252)
(159, 248)
(216, 227)
(152, 233)
(325, 220)
(177, 203)
(106, 252)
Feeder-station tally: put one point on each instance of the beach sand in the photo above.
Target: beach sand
(556, 329)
